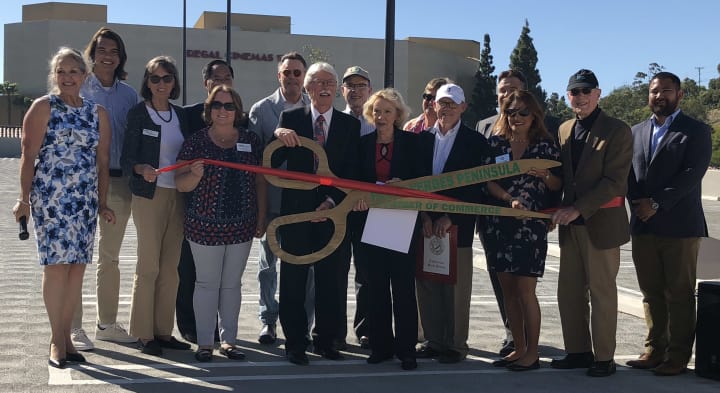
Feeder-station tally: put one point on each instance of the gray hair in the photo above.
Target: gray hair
(64, 53)
(317, 67)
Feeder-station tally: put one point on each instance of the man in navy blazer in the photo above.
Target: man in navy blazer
(671, 155)
(339, 134)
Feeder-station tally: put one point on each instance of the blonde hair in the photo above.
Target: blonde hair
(393, 96)
(63, 53)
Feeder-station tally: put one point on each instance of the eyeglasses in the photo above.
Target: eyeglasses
(324, 83)
(428, 97)
(228, 106)
(155, 79)
(295, 73)
(448, 105)
(576, 91)
(356, 86)
(525, 112)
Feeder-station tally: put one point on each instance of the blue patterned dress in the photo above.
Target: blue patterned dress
(64, 193)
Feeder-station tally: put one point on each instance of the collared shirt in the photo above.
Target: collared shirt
(327, 115)
(416, 125)
(117, 101)
(365, 126)
(443, 145)
(659, 130)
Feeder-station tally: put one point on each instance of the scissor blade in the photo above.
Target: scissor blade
(441, 206)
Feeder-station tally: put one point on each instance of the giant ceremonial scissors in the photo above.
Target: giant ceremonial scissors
(413, 194)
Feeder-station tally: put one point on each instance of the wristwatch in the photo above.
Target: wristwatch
(654, 205)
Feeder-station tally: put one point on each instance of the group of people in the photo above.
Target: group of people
(92, 151)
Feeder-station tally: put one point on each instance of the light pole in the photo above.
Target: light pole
(390, 44)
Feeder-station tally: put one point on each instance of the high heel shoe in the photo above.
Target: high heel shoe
(75, 357)
(519, 367)
(57, 363)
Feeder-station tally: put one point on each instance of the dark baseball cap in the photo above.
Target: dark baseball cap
(582, 78)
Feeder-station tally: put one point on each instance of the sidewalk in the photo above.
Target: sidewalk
(114, 368)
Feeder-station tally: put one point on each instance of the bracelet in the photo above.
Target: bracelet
(23, 202)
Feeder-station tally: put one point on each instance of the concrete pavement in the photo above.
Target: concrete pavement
(113, 367)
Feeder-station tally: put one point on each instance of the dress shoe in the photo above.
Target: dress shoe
(669, 368)
(189, 337)
(150, 347)
(574, 360)
(426, 352)
(603, 368)
(328, 353)
(408, 363)
(451, 356)
(61, 363)
(376, 358)
(507, 348)
(519, 367)
(340, 344)
(364, 342)
(267, 334)
(172, 343)
(75, 357)
(646, 361)
(297, 357)
(502, 362)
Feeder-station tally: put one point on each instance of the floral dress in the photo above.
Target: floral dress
(519, 246)
(64, 194)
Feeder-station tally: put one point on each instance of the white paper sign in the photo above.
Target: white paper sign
(390, 228)
(436, 255)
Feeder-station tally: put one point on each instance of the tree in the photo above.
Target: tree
(9, 89)
(557, 107)
(524, 58)
(484, 99)
(315, 55)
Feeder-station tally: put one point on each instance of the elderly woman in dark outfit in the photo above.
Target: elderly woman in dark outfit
(516, 247)
(386, 155)
(155, 132)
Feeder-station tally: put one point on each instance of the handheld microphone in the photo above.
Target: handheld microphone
(23, 235)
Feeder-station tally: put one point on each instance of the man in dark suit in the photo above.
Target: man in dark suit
(445, 308)
(339, 134)
(216, 72)
(596, 151)
(671, 155)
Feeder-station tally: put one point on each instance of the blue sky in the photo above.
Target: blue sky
(614, 38)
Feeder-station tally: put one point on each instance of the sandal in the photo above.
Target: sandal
(232, 353)
(203, 355)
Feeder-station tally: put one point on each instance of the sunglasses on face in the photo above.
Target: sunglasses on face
(577, 91)
(165, 78)
(228, 106)
(295, 73)
(428, 97)
(514, 112)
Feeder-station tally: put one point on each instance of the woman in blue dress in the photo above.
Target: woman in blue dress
(516, 247)
(69, 136)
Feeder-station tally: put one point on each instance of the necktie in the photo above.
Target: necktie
(319, 131)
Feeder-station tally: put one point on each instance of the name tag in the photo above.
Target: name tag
(151, 133)
(244, 147)
(502, 158)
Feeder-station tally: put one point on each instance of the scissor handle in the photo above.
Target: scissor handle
(338, 216)
(322, 169)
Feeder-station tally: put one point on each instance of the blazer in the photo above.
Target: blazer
(601, 175)
(342, 149)
(671, 177)
(469, 150)
(139, 148)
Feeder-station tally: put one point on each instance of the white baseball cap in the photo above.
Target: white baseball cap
(451, 91)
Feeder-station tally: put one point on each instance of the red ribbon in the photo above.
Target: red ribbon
(615, 202)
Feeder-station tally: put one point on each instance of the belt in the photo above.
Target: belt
(116, 173)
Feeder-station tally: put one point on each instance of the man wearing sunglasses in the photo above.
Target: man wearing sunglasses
(264, 116)
(596, 152)
(216, 72)
(428, 117)
(671, 153)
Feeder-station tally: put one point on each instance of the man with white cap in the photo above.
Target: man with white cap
(444, 307)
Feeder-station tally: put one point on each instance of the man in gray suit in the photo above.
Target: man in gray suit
(671, 155)
(263, 120)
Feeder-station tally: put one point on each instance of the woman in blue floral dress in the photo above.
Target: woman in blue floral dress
(65, 192)
(516, 247)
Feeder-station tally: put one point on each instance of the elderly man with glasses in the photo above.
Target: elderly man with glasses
(596, 153)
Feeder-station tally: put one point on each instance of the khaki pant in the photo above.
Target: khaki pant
(666, 271)
(587, 277)
(445, 309)
(159, 225)
(111, 237)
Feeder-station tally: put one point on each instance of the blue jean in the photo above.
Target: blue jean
(268, 280)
